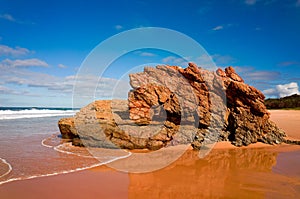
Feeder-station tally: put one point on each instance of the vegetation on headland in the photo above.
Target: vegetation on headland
(289, 102)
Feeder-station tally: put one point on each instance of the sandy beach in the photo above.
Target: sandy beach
(256, 171)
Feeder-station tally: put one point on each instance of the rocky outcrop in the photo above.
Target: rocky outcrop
(169, 105)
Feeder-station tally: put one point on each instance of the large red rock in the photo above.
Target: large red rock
(170, 105)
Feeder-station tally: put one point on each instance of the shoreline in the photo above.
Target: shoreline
(102, 175)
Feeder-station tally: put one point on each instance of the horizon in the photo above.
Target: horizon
(43, 44)
(117, 99)
(33, 107)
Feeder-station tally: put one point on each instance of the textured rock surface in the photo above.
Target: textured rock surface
(106, 124)
(170, 105)
(67, 128)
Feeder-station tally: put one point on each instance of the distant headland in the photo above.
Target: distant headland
(289, 102)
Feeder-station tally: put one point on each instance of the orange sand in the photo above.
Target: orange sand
(288, 121)
(256, 171)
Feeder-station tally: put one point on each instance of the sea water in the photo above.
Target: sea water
(30, 145)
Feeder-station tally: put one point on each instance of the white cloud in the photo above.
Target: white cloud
(289, 63)
(287, 89)
(218, 28)
(258, 78)
(264, 2)
(17, 51)
(19, 76)
(24, 63)
(223, 59)
(89, 88)
(26, 83)
(8, 91)
(225, 26)
(29, 83)
(8, 17)
(118, 27)
(204, 61)
(262, 75)
(147, 54)
(144, 54)
(283, 90)
(62, 66)
(250, 2)
(251, 74)
(298, 3)
(168, 59)
(244, 69)
(172, 60)
(271, 92)
(3, 89)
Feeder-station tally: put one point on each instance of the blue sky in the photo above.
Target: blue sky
(43, 43)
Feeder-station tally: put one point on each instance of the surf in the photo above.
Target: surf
(19, 113)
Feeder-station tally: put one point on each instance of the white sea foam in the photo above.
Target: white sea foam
(9, 167)
(94, 156)
(66, 171)
(46, 145)
(33, 113)
(57, 148)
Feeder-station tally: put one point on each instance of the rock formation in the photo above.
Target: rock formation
(169, 105)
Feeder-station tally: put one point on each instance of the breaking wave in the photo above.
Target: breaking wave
(20, 113)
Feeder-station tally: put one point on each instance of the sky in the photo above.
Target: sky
(44, 43)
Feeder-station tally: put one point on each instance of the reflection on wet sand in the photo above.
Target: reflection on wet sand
(234, 173)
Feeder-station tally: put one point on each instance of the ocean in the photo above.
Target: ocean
(13, 113)
(30, 145)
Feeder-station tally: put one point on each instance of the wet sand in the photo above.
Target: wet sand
(257, 171)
